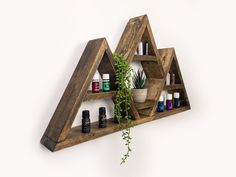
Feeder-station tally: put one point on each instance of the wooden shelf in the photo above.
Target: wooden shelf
(146, 104)
(97, 56)
(144, 58)
(75, 136)
(173, 87)
(101, 95)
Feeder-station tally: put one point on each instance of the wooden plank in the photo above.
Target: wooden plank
(181, 80)
(152, 70)
(146, 104)
(167, 55)
(101, 95)
(138, 29)
(173, 87)
(166, 59)
(133, 111)
(131, 36)
(76, 137)
(154, 87)
(65, 113)
(144, 58)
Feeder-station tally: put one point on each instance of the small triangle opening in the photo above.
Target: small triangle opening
(174, 74)
(146, 40)
(145, 46)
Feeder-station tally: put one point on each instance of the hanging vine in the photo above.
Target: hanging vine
(123, 99)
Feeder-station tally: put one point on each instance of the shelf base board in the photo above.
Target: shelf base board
(76, 136)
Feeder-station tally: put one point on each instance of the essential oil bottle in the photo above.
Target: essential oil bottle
(102, 118)
(172, 78)
(86, 121)
(105, 82)
(95, 83)
(168, 79)
(160, 106)
(169, 105)
(176, 100)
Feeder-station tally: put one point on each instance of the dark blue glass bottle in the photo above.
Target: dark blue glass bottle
(176, 100)
(160, 105)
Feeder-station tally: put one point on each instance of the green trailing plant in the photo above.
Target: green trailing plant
(139, 79)
(123, 99)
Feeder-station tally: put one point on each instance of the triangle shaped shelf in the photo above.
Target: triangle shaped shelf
(139, 30)
(98, 56)
(179, 82)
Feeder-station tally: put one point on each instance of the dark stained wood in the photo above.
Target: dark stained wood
(152, 69)
(74, 94)
(154, 87)
(107, 66)
(146, 104)
(97, 55)
(131, 36)
(138, 30)
(167, 55)
(166, 60)
(144, 58)
(101, 95)
(184, 92)
(76, 137)
(173, 87)
(133, 111)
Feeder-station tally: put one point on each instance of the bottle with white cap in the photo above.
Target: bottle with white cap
(176, 100)
(105, 82)
(140, 48)
(168, 79)
(169, 105)
(160, 106)
(95, 83)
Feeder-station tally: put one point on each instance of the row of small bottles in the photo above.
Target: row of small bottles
(170, 103)
(142, 48)
(170, 79)
(102, 118)
(86, 123)
(105, 83)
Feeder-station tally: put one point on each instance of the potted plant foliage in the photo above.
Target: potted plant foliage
(139, 92)
(123, 100)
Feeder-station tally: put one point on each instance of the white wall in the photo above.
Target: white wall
(40, 45)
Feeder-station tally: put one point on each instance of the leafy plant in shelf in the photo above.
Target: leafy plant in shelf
(138, 79)
(123, 99)
(139, 92)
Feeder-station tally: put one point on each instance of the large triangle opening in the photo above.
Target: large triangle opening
(96, 56)
(102, 98)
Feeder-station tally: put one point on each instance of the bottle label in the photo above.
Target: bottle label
(95, 87)
(102, 121)
(168, 104)
(86, 125)
(160, 107)
(106, 86)
(176, 103)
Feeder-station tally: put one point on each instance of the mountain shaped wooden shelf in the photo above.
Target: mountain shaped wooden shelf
(98, 56)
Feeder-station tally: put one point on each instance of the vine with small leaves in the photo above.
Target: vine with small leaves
(123, 99)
